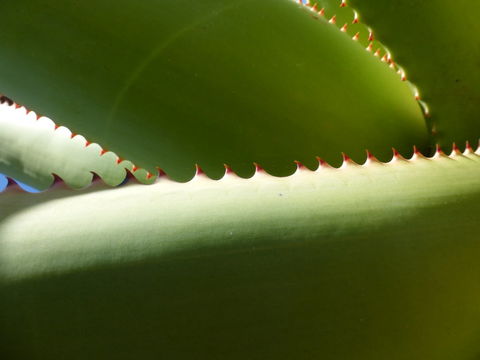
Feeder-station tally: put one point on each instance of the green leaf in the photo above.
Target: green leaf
(437, 43)
(174, 83)
(32, 150)
(361, 262)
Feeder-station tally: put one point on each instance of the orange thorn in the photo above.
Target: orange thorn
(321, 162)
(343, 4)
(333, 20)
(344, 28)
(356, 36)
(370, 36)
(299, 165)
(321, 12)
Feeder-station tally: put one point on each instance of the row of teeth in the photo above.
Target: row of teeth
(55, 127)
(456, 153)
(386, 58)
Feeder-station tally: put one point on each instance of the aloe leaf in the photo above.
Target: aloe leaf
(363, 262)
(33, 149)
(437, 43)
(208, 82)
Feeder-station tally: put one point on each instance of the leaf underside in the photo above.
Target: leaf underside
(361, 262)
(32, 150)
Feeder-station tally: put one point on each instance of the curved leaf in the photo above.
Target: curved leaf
(32, 150)
(437, 43)
(208, 82)
(363, 262)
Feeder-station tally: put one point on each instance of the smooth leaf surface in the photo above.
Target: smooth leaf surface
(362, 262)
(174, 83)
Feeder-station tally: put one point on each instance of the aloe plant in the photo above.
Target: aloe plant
(370, 255)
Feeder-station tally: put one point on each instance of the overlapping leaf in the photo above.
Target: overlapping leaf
(208, 82)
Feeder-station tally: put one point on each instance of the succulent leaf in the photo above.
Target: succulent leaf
(33, 149)
(360, 262)
(437, 43)
(208, 82)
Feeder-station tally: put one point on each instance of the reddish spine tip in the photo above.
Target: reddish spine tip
(134, 168)
(343, 4)
(258, 168)
(370, 36)
(438, 149)
(160, 172)
(333, 20)
(321, 162)
(314, 7)
(344, 28)
(87, 143)
(356, 36)
(321, 12)
(103, 152)
(396, 154)
(57, 179)
(299, 165)
(95, 177)
(119, 160)
(72, 135)
(10, 182)
(198, 170)
(468, 147)
(345, 157)
(56, 126)
(228, 169)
